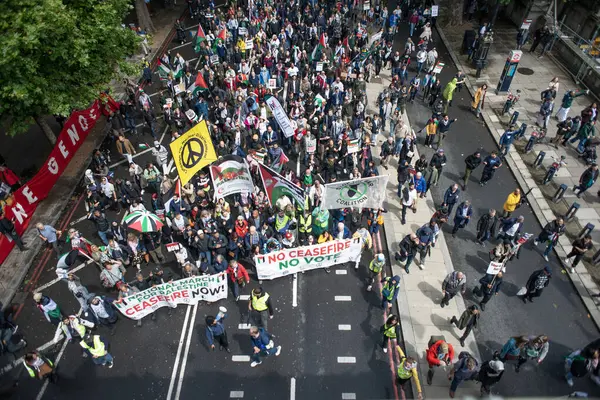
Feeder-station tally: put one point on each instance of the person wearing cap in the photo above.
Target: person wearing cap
(467, 321)
(536, 284)
(96, 347)
(407, 369)
(489, 374)
(389, 291)
(375, 268)
(462, 216)
(215, 330)
(454, 282)
(260, 307)
(438, 353)
(48, 307)
(490, 164)
(238, 277)
(262, 345)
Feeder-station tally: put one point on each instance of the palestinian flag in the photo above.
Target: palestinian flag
(143, 146)
(259, 156)
(200, 37)
(163, 71)
(222, 35)
(277, 186)
(318, 48)
(178, 71)
(199, 85)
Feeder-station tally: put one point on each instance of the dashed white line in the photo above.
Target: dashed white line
(236, 394)
(295, 291)
(240, 358)
(52, 282)
(341, 272)
(343, 298)
(348, 396)
(346, 360)
(181, 45)
(293, 389)
(245, 297)
(344, 327)
(244, 326)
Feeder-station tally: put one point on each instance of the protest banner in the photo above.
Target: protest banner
(192, 151)
(21, 204)
(230, 174)
(277, 186)
(319, 67)
(280, 116)
(365, 193)
(214, 59)
(184, 291)
(494, 268)
(435, 11)
(249, 44)
(290, 261)
(272, 84)
(353, 146)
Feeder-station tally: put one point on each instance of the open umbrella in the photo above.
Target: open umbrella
(143, 221)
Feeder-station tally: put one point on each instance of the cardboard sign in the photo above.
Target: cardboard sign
(494, 268)
(438, 68)
(434, 11)
(171, 247)
(526, 24)
(367, 5)
(242, 31)
(214, 59)
(272, 83)
(319, 66)
(249, 44)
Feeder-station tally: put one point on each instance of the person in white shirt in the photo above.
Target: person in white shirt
(292, 71)
(421, 58)
(409, 196)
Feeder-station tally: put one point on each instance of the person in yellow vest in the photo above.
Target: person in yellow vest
(97, 347)
(375, 268)
(407, 368)
(304, 225)
(389, 291)
(261, 307)
(512, 202)
(40, 367)
(389, 331)
(74, 328)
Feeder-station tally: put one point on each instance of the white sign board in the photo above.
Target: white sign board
(434, 11)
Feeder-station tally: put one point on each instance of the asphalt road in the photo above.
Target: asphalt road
(148, 360)
(559, 312)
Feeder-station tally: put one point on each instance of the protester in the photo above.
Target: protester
(454, 283)
(580, 247)
(40, 367)
(260, 307)
(439, 352)
(215, 330)
(262, 345)
(467, 321)
(97, 349)
(490, 286)
(536, 284)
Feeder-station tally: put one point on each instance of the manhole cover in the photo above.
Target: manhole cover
(525, 71)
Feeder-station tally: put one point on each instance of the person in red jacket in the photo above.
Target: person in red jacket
(238, 276)
(439, 353)
(9, 177)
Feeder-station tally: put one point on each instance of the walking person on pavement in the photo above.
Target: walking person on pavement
(387, 151)
(96, 347)
(215, 330)
(389, 331)
(490, 286)
(454, 282)
(490, 164)
(512, 202)
(462, 216)
(567, 101)
(409, 199)
(580, 247)
(407, 368)
(426, 236)
(260, 307)
(451, 197)
(467, 321)
(486, 226)
(471, 163)
(262, 345)
(465, 369)
(7, 228)
(409, 247)
(49, 235)
(586, 180)
(375, 267)
(389, 291)
(536, 284)
(550, 234)
(438, 353)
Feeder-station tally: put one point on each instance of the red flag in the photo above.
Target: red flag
(178, 188)
(322, 40)
(222, 35)
(283, 158)
(200, 34)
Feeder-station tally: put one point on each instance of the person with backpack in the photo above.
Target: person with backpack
(466, 369)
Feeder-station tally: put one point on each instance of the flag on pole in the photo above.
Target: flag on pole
(318, 48)
(199, 85)
(200, 37)
(178, 71)
(177, 187)
(222, 35)
(163, 70)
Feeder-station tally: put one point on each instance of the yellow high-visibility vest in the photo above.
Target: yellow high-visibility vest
(260, 303)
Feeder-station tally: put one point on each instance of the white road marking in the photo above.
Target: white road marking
(123, 161)
(348, 396)
(341, 272)
(192, 27)
(240, 358)
(236, 394)
(71, 271)
(178, 355)
(346, 360)
(343, 298)
(295, 291)
(293, 389)
(344, 327)
(181, 45)
(245, 297)
(186, 351)
(244, 326)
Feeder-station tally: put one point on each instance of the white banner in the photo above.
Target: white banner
(365, 193)
(300, 259)
(184, 291)
(280, 116)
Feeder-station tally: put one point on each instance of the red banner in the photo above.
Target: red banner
(19, 209)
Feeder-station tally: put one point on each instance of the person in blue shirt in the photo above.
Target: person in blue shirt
(215, 331)
(262, 345)
(462, 216)
(506, 140)
(490, 164)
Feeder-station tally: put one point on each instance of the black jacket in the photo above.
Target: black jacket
(6, 226)
(408, 247)
(472, 162)
(493, 280)
(487, 223)
(438, 161)
(533, 277)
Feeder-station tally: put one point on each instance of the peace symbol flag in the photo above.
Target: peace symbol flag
(192, 151)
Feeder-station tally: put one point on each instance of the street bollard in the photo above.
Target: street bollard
(560, 192)
(538, 160)
(587, 229)
(513, 118)
(521, 132)
(530, 143)
(572, 211)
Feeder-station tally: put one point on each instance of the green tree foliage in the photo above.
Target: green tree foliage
(57, 55)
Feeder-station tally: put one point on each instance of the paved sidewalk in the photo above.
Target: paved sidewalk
(543, 69)
(419, 298)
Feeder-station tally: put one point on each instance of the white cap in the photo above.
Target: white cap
(497, 365)
(222, 309)
(37, 296)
